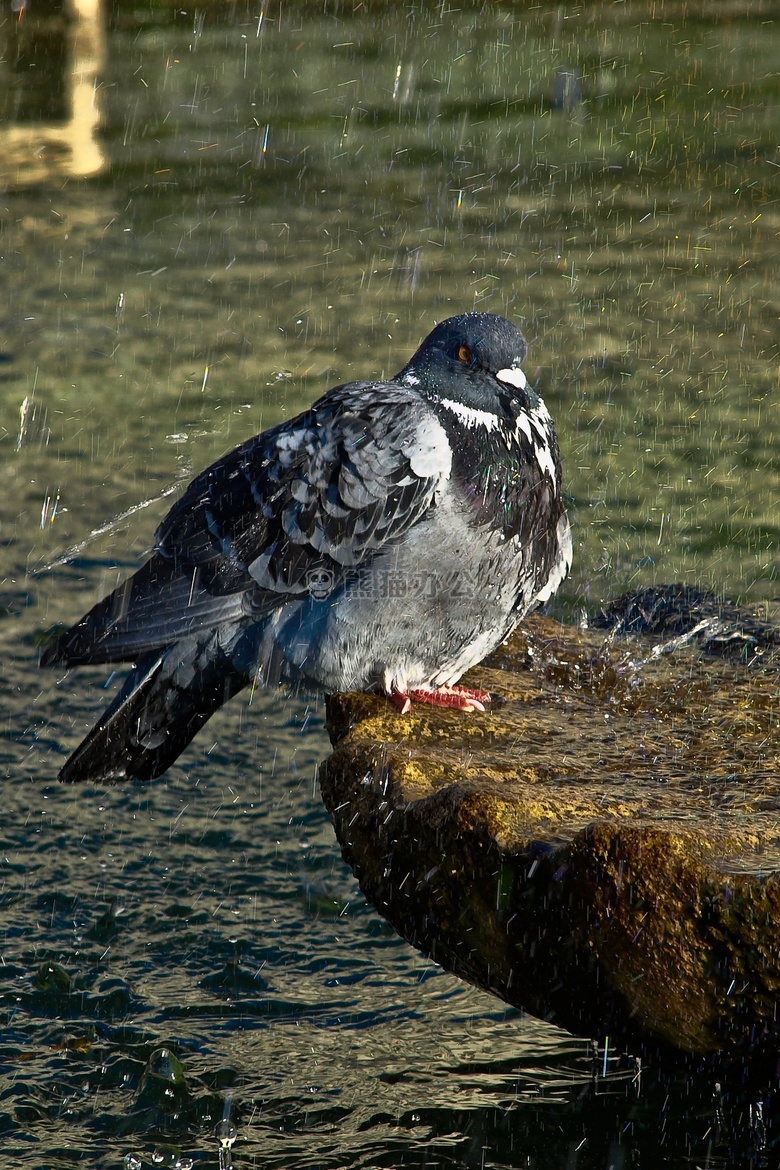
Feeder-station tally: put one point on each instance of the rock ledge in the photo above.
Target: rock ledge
(603, 847)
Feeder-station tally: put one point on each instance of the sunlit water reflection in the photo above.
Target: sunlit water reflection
(286, 200)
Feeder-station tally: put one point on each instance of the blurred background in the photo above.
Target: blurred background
(208, 216)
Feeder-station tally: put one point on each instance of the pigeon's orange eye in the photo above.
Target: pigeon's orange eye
(465, 355)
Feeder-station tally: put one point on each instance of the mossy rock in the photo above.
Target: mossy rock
(602, 847)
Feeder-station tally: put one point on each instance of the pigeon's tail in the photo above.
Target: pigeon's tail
(152, 719)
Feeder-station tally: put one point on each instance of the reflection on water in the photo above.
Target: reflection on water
(282, 198)
(51, 55)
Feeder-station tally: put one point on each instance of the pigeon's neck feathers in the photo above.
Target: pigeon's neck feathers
(471, 416)
(473, 395)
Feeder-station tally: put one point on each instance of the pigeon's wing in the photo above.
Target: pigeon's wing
(322, 492)
(150, 610)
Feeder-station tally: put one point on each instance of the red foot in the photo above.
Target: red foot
(461, 698)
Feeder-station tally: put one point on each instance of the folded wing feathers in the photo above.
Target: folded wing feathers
(155, 607)
(324, 490)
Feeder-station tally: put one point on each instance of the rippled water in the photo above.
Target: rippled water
(209, 216)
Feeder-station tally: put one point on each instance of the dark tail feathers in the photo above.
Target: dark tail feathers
(151, 720)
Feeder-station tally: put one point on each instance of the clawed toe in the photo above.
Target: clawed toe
(456, 698)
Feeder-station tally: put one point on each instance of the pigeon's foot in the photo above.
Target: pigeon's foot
(460, 698)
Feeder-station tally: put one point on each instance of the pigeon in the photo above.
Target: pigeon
(385, 540)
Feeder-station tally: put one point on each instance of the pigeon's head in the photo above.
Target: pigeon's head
(474, 361)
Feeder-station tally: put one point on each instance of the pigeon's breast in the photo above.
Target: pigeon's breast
(419, 613)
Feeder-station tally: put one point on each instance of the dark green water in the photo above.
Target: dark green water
(276, 201)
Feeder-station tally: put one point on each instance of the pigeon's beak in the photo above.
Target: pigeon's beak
(513, 376)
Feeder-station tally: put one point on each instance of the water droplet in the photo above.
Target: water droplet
(170, 1156)
(226, 1134)
(166, 1065)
